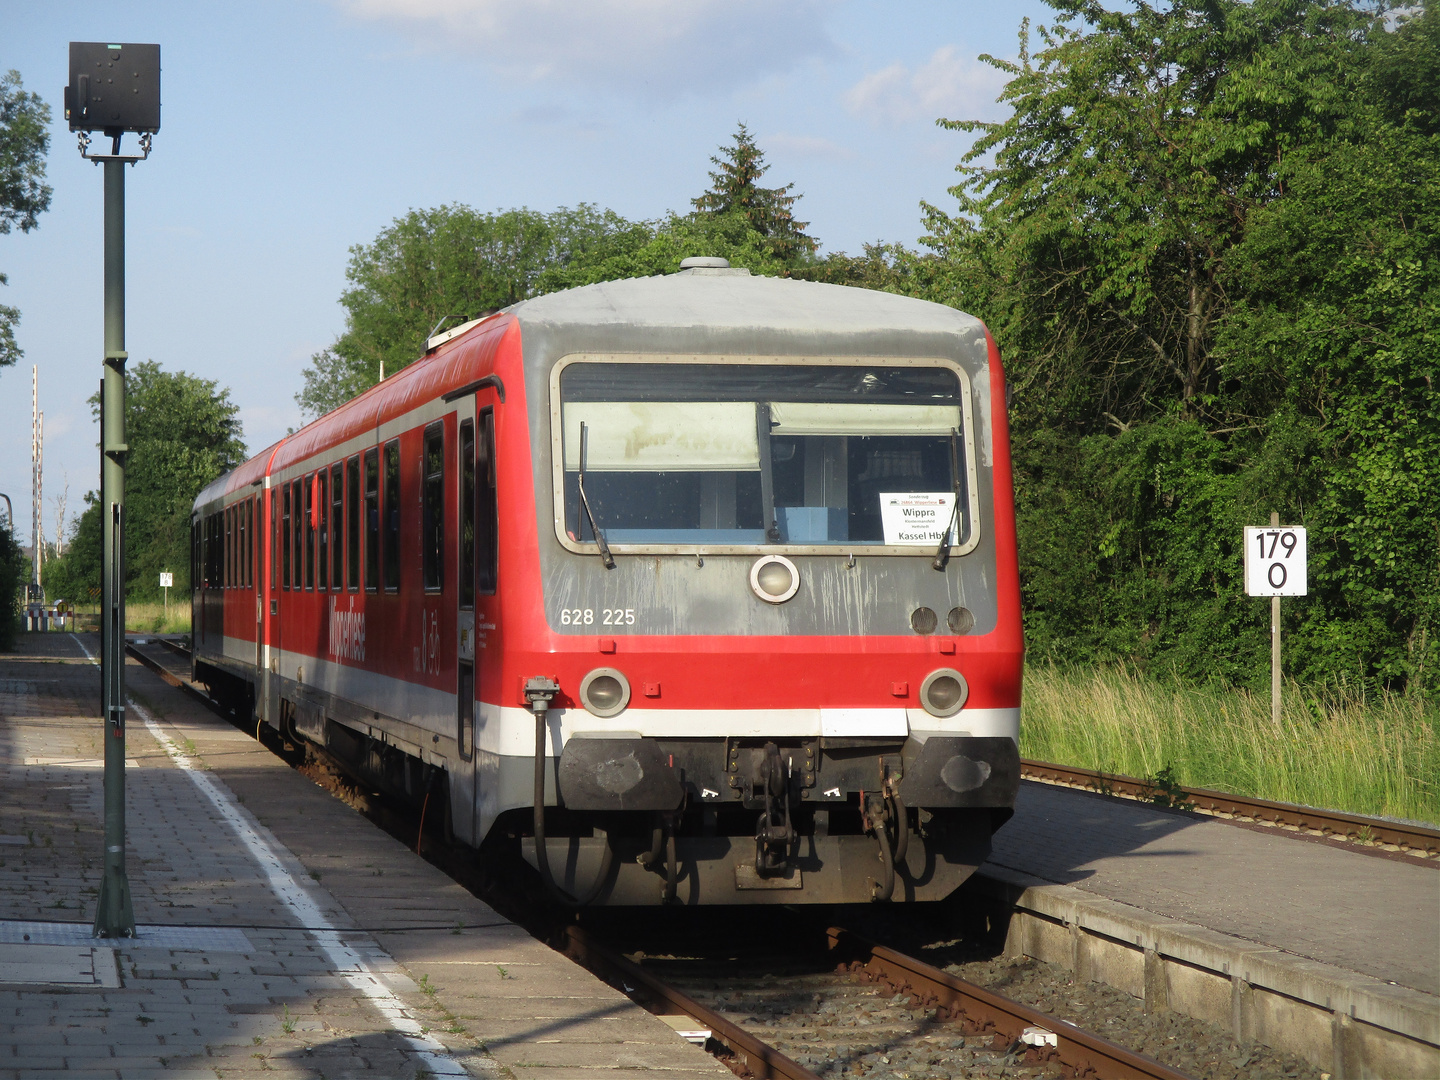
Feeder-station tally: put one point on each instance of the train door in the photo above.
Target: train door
(484, 555)
(267, 697)
(463, 795)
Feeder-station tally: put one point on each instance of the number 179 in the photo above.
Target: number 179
(1284, 539)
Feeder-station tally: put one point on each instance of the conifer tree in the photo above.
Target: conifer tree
(734, 189)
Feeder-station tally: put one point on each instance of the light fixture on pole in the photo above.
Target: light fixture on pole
(113, 89)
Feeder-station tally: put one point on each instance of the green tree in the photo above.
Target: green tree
(24, 195)
(12, 584)
(1206, 246)
(735, 189)
(450, 263)
(183, 432)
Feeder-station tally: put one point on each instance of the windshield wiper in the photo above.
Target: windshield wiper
(942, 553)
(605, 555)
(767, 477)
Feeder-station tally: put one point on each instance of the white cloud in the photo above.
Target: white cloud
(648, 48)
(947, 85)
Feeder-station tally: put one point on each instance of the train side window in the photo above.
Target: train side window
(284, 537)
(465, 551)
(309, 534)
(297, 532)
(372, 519)
(322, 528)
(244, 552)
(390, 548)
(487, 525)
(229, 547)
(337, 518)
(432, 509)
(352, 524)
(274, 536)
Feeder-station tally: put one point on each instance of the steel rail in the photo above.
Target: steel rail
(1415, 838)
(759, 1059)
(177, 682)
(1076, 1051)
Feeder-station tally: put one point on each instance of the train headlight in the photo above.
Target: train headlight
(605, 692)
(943, 692)
(774, 579)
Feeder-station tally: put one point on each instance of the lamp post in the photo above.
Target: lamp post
(113, 89)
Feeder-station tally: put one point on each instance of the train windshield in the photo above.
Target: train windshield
(758, 454)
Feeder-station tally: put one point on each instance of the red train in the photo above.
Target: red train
(698, 588)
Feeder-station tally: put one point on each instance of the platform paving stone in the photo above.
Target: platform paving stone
(500, 1003)
(1322, 901)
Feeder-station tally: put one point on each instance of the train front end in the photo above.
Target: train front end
(774, 651)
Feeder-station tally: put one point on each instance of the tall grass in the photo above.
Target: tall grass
(150, 618)
(1335, 750)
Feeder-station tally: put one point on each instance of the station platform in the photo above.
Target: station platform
(1323, 900)
(1314, 946)
(279, 933)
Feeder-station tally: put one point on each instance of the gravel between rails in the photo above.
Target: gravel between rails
(1200, 1049)
(841, 1028)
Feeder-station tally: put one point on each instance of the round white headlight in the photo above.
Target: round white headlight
(605, 692)
(774, 579)
(943, 692)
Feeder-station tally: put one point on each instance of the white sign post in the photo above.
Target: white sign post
(167, 580)
(1275, 566)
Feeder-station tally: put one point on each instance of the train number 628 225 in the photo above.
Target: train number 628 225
(603, 617)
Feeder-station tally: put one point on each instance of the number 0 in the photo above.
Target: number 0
(1270, 574)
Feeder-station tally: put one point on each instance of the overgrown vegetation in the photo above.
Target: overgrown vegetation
(1209, 247)
(1337, 747)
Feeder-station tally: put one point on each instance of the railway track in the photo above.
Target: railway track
(941, 1016)
(1405, 837)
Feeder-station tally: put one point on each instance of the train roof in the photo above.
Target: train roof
(703, 309)
(729, 300)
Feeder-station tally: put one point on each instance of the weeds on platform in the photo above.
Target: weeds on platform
(1355, 752)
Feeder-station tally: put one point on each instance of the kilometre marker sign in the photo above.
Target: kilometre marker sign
(1275, 561)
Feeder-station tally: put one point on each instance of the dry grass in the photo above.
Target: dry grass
(150, 618)
(1367, 755)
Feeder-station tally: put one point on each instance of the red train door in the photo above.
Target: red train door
(462, 794)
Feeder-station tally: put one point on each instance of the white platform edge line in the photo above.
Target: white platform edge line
(345, 960)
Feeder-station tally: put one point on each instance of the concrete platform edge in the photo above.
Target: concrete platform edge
(1351, 1025)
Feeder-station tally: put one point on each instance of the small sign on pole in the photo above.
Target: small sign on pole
(1275, 566)
(167, 580)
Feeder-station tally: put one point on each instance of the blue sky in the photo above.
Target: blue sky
(294, 130)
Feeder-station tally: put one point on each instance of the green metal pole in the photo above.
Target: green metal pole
(114, 914)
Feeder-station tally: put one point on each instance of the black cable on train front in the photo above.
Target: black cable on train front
(540, 691)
